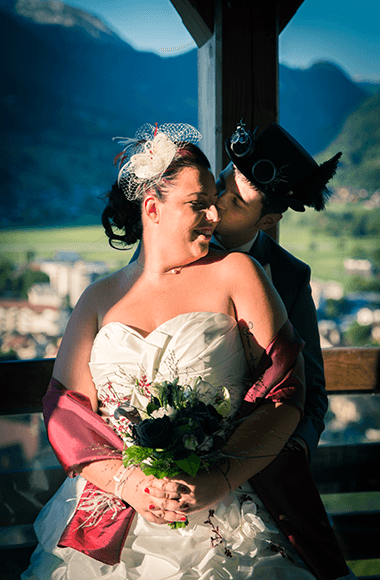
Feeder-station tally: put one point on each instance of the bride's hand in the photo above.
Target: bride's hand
(191, 494)
(152, 498)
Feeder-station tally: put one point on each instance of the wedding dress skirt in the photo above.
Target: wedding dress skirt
(237, 540)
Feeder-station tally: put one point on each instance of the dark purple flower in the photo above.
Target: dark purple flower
(154, 433)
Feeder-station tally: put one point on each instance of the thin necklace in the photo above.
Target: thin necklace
(171, 271)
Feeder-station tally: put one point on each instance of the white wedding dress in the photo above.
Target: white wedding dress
(190, 345)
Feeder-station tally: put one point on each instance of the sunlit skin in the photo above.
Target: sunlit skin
(144, 295)
(183, 223)
(239, 206)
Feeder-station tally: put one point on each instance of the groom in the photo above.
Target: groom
(267, 175)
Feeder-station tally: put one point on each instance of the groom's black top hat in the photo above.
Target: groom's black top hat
(279, 166)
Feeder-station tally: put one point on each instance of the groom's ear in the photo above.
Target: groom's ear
(151, 208)
(269, 221)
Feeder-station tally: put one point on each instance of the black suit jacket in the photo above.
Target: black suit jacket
(286, 486)
(291, 278)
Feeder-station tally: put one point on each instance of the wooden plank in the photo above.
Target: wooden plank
(26, 492)
(352, 369)
(358, 535)
(23, 384)
(347, 468)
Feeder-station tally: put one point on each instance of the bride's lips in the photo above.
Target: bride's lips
(205, 232)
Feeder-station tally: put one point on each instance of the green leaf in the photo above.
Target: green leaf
(151, 407)
(135, 455)
(189, 465)
(155, 471)
(176, 525)
(160, 471)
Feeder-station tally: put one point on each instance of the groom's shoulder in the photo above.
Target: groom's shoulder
(277, 255)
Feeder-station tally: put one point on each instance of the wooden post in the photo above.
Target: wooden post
(238, 75)
(237, 66)
(210, 94)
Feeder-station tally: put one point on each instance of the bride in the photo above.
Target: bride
(184, 309)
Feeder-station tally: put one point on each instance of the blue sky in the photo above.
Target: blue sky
(342, 31)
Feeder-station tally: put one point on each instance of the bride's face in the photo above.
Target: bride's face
(188, 215)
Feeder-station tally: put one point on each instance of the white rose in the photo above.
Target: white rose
(164, 411)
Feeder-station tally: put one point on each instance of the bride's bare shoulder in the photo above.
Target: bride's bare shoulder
(105, 286)
(235, 263)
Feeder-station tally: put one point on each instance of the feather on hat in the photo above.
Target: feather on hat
(278, 165)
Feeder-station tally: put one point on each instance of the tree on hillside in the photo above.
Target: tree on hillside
(16, 284)
(27, 279)
(7, 269)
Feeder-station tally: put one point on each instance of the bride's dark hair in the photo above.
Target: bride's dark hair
(124, 215)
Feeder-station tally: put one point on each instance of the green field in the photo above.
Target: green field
(324, 253)
(89, 242)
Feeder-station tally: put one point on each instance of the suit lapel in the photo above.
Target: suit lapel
(261, 249)
(262, 252)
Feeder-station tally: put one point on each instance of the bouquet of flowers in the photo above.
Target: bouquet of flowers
(170, 430)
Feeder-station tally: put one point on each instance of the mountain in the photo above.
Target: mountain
(315, 114)
(370, 87)
(359, 140)
(69, 84)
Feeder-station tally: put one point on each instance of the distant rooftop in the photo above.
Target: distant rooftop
(67, 256)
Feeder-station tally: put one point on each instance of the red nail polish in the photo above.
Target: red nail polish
(147, 490)
(151, 507)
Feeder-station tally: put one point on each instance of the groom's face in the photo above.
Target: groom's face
(239, 206)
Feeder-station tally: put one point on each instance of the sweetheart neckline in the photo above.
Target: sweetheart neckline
(163, 323)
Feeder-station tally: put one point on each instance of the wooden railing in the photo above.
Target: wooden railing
(348, 473)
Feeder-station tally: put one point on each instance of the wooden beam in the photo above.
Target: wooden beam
(287, 9)
(197, 17)
(238, 74)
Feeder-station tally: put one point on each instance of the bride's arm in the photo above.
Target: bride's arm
(67, 416)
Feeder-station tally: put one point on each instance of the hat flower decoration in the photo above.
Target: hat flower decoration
(147, 155)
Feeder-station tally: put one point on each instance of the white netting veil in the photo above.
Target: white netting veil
(148, 154)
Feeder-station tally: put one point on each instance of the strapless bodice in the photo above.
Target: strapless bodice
(188, 346)
(123, 363)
